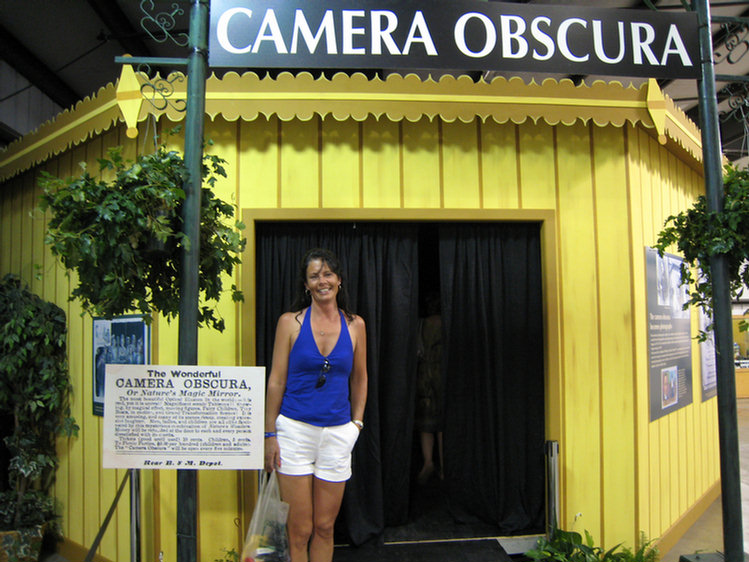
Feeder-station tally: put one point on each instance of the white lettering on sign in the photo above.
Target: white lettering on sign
(562, 34)
(270, 31)
(598, 43)
(326, 27)
(259, 34)
(513, 28)
(675, 45)
(542, 37)
(419, 25)
(380, 35)
(349, 31)
(222, 30)
(460, 35)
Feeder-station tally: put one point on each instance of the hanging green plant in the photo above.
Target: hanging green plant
(124, 239)
(35, 392)
(700, 234)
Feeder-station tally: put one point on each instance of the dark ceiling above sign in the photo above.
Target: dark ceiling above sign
(53, 53)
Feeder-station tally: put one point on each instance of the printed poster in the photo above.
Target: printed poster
(184, 417)
(669, 335)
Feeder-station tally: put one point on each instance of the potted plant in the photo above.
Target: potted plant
(571, 546)
(34, 403)
(700, 234)
(123, 236)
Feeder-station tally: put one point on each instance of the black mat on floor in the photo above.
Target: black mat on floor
(475, 551)
(430, 519)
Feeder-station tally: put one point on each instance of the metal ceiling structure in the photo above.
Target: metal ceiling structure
(54, 53)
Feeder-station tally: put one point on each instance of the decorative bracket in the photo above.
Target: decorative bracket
(656, 103)
(160, 26)
(129, 99)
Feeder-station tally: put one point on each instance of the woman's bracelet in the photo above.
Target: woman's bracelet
(358, 423)
(269, 434)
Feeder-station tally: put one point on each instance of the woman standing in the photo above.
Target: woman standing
(315, 401)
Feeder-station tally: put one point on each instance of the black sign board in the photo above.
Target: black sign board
(385, 34)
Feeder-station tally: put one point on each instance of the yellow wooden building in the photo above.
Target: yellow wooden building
(598, 167)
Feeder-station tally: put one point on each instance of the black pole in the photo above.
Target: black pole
(134, 515)
(197, 71)
(728, 434)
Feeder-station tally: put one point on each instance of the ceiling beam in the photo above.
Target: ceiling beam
(120, 27)
(8, 134)
(13, 52)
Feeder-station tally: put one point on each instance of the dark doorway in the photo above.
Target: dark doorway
(488, 277)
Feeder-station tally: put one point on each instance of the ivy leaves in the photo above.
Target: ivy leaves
(34, 397)
(700, 234)
(124, 239)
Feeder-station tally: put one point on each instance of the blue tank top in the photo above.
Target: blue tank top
(328, 405)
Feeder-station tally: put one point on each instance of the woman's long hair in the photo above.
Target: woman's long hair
(302, 299)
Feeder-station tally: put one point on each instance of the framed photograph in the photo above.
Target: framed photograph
(670, 386)
(123, 340)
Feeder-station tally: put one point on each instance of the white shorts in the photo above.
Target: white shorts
(309, 449)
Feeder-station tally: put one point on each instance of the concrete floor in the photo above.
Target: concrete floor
(706, 535)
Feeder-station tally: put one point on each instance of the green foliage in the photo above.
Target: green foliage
(124, 237)
(34, 396)
(570, 546)
(229, 556)
(700, 234)
(22, 545)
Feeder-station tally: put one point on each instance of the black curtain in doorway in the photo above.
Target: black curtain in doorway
(490, 276)
(380, 262)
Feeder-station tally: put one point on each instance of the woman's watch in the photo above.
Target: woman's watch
(358, 423)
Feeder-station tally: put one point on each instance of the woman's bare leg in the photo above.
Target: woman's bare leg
(297, 492)
(327, 497)
(427, 449)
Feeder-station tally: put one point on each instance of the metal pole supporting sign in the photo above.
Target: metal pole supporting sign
(197, 71)
(730, 474)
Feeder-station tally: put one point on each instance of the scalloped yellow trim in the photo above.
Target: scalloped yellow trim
(88, 117)
(357, 97)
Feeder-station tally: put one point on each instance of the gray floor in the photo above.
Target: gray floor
(706, 535)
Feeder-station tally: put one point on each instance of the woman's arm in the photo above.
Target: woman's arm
(277, 386)
(358, 381)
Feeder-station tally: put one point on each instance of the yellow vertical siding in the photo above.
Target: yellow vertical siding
(5, 230)
(608, 190)
(636, 173)
(536, 155)
(616, 360)
(340, 163)
(381, 179)
(300, 164)
(257, 167)
(421, 167)
(460, 165)
(581, 448)
(677, 462)
(499, 166)
(219, 348)
(80, 333)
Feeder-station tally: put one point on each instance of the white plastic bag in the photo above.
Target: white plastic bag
(266, 539)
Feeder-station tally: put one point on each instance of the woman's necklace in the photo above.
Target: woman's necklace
(321, 332)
